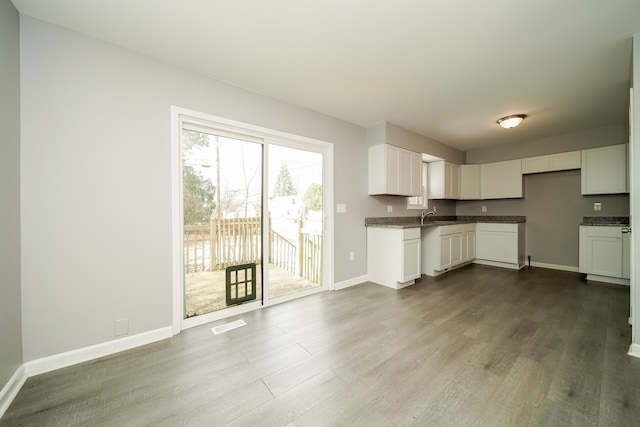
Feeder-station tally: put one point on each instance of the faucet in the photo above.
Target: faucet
(425, 214)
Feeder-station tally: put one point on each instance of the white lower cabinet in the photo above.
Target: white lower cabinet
(605, 253)
(393, 256)
(447, 246)
(500, 245)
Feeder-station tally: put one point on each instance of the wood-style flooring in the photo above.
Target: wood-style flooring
(480, 346)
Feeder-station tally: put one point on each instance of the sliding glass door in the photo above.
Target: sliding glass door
(253, 223)
(222, 214)
(295, 220)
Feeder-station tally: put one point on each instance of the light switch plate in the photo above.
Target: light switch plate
(341, 208)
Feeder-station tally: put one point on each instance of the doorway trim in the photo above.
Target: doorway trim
(180, 115)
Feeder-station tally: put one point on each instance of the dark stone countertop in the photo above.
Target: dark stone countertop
(611, 221)
(434, 220)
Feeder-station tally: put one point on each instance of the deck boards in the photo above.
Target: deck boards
(477, 346)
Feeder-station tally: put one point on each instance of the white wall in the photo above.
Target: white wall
(10, 321)
(96, 183)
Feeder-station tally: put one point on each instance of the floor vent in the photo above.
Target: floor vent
(228, 326)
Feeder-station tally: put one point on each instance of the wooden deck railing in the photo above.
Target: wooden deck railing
(282, 252)
(311, 257)
(231, 241)
(235, 241)
(196, 248)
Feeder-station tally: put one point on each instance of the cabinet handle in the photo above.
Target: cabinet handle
(626, 229)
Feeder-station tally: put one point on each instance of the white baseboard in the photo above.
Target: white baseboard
(634, 350)
(11, 389)
(73, 357)
(350, 282)
(498, 264)
(606, 279)
(569, 268)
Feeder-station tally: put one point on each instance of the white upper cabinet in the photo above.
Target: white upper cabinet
(551, 162)
(536, 164)
(470, 182)
(566, 161)
(444, 180)
(394, 171)
(501, 180)
(604, 170)
(421, 201)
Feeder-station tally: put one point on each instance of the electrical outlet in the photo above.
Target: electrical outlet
(597, 206)
(341, 208)
(484, 209)
(389, 208)
(435, 209)
(121, 327)
(352, 256)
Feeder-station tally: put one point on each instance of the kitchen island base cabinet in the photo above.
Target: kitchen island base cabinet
(500, 245)
(447, 247)
(393, 256)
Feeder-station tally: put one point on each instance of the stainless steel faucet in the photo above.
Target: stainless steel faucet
(425, 214)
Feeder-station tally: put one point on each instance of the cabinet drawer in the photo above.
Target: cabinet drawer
(536, 164)
(565, 161)
(410, 233)
(600, 231)
(492, 226)
(468, 227)
(450, 229)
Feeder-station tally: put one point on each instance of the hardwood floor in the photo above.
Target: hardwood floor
(480, 346)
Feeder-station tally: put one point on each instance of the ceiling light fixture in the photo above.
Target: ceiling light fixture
(511, 121)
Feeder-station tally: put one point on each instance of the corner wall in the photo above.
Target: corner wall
(10, 314)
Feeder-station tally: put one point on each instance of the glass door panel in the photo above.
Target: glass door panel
(222, 220)
(295, 224)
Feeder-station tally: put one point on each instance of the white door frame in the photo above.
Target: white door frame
(269, 136)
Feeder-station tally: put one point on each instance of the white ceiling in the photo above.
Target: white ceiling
(445, 69)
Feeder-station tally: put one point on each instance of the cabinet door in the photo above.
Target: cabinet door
(469, 182)
(606, 256)
(421, 201)
(501, 180)
(498, 246)
(453, 184)
(410, 260)
(604, 170)
(456, 248)
(405, 180)
(471, 246)
(392, 163)
(445, 252)
(536, 164)
(416, 174)
(566, 161)
(468, 246)
(436, 181)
